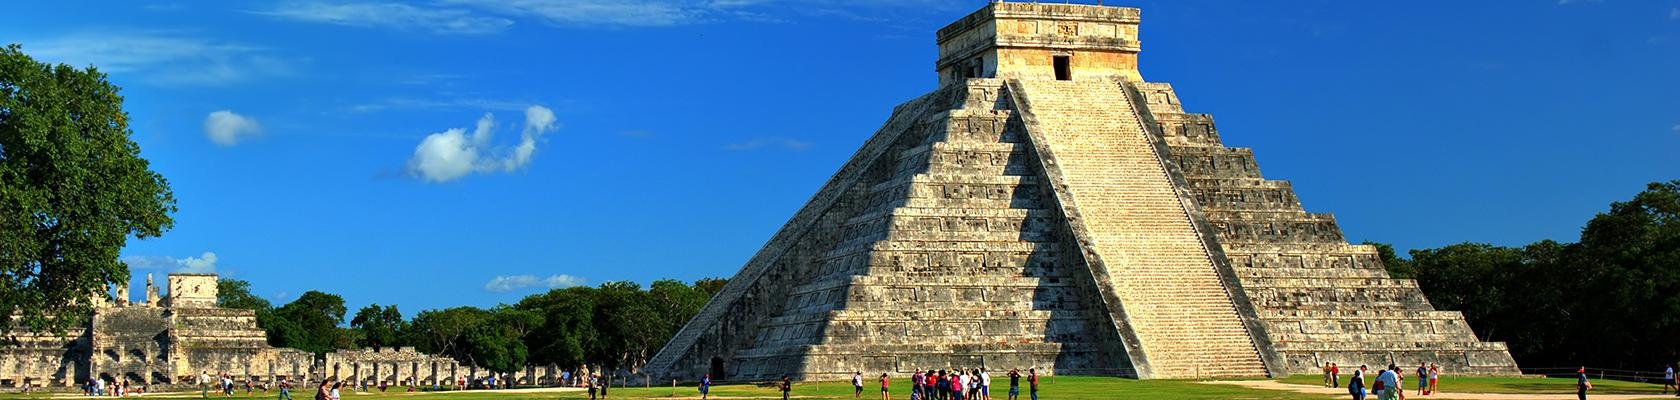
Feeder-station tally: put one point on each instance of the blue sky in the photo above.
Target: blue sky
(338, 146)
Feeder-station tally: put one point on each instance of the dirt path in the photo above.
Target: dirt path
(1275, 385)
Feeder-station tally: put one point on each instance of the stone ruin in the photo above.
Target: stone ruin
(1048, 208)
(164, 340)
(171, 340)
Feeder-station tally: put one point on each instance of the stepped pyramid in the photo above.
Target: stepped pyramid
(1048, 208)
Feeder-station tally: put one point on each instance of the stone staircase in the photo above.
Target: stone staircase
(1167, 281)
(1319, 299)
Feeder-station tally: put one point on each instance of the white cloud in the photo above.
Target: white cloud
(226, 128)
(1676, 128)
(452, 154)
(204, 263)
(160, 57)
(390, 15)
(1674, 13)
(508, 283)
(763, 142)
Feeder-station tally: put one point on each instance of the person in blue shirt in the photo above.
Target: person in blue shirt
(705, 386)
(1581, 383)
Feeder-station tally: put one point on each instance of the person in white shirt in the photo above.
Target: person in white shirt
(1668, 380)
(985, 384)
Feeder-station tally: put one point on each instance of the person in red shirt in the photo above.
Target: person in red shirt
(884, 387)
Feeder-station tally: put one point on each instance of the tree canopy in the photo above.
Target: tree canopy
(1610, 300)
(73, 188)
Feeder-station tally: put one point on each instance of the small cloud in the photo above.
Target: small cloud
(227, 129)
(280, 296)
(204, 263)
(390, 15)
(764, 142)
(1676, 128)
(453, 154)
(1674, 13)
(508, 283)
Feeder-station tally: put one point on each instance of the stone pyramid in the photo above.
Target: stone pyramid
(1047, 208)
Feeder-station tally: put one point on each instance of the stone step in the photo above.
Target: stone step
(1137, 223)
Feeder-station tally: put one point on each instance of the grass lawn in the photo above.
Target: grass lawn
(1489, 384)
(1065, 387)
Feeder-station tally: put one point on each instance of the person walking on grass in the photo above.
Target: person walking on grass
(1356, 384)
(285, 389)
(1335, 375)
(1325, 369)
(705, 385)
(321, 391)
(857, 384)
(1668, 380)
(985, 384)
(1423, 379)
(787, 386)
(1385, 385)
(884, 387)
(1581, 383)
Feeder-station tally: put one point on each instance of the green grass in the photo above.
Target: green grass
(1492, 384)
(1064, 387)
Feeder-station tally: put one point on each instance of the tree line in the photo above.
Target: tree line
(1610, 299)
(615, 325)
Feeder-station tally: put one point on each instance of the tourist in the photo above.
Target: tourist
(1668, 380)
(1423, 379)
(985, 384)
(959, 382)
(285, 389)
(1325, 368)
(857, 384)
(590, 383)
(1434, 378)
(1385, 386)
(248, 386)
(1014, 383)
(974, 384)
(321, 392)
(787, 386)
(940, 387)
(1356, 384)
(1032, 383)
(1335, 375)
(884, 386)
(334, 392)
(1399, 383)
(705, 386)
(916, 380)
(1581, 383)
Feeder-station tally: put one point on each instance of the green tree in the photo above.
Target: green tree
(1397, 267)
(380, 326)
(311, 323)
(236, 293)
(73, 188)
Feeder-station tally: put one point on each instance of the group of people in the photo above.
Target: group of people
(973, 384)
(99, 387)
(1389, 383)
(225, 385)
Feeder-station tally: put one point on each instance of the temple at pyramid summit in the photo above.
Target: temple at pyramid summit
(1046, 207)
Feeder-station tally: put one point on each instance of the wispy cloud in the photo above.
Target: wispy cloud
(165, 58)
(390, 15)
(1674, 13)
(508, 283)
(1676, 128)
(226, 128)
(491, 16)
(204, 263)
(415, 103)
(769, 142)
(453, 154)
